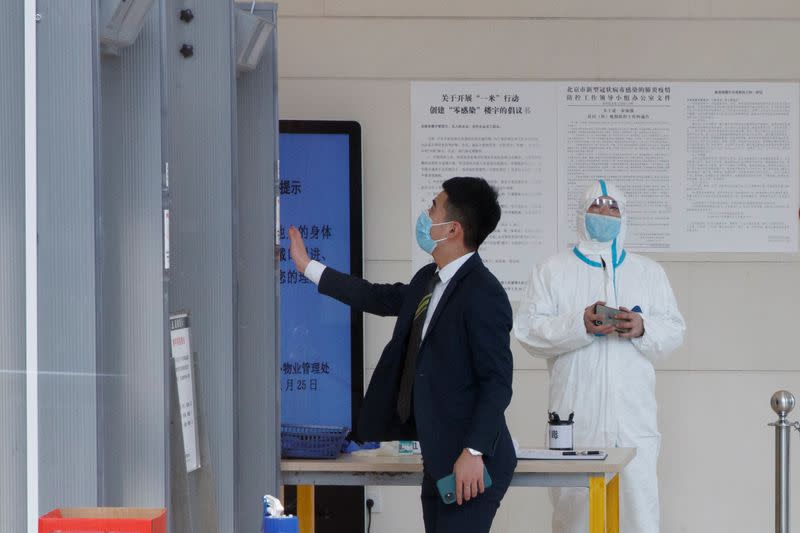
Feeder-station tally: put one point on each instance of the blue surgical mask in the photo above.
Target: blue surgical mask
(602, 228)
(424, 239)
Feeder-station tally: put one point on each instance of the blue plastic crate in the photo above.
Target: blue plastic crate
(312, 442)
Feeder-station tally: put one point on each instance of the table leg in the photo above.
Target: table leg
(597, 504)
(305, 508)
(612, 504)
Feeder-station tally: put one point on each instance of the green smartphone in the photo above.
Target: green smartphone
(447, 486)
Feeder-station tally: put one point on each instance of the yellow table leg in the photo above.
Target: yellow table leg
(305, 508)
(612, 504)
(597, 504)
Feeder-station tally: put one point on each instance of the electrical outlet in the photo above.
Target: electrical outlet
(374, 493)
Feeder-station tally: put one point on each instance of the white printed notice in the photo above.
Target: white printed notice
(503, 132)
(182, 357)
(705, 167)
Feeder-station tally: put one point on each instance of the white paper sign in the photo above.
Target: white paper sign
(502, 132)
(182, 356)
(705, 167)
(166, 239)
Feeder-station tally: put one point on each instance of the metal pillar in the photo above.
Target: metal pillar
(782, 403)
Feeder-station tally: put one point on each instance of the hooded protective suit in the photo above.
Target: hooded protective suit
(608, 382)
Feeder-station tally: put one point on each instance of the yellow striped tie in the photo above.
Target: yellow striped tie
(414, 340)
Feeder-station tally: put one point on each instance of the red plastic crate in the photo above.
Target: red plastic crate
(104, 520)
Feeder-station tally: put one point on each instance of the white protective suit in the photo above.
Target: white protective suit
(608, 382)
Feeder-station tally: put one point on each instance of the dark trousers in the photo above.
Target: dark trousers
(474, 516)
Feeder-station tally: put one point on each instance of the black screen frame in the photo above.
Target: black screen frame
(353, 130)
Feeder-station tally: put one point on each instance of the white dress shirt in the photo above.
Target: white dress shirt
(445, 275)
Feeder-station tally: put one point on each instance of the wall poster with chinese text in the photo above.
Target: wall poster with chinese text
(705, 166)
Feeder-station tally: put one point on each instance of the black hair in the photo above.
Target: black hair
(473, 203)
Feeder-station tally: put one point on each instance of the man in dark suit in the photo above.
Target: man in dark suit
(445, 376)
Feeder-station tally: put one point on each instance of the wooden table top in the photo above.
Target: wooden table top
(616, 461)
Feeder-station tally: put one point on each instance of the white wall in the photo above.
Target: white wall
(353, 59)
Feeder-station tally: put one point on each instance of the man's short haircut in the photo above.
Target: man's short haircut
(473, 203)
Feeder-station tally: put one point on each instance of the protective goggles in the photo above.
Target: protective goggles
(607, 201)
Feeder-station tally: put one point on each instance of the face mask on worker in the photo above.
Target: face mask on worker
(602, 228)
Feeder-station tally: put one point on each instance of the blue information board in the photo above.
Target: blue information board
(321, 339)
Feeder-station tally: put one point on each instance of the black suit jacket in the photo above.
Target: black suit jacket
(464, 370)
